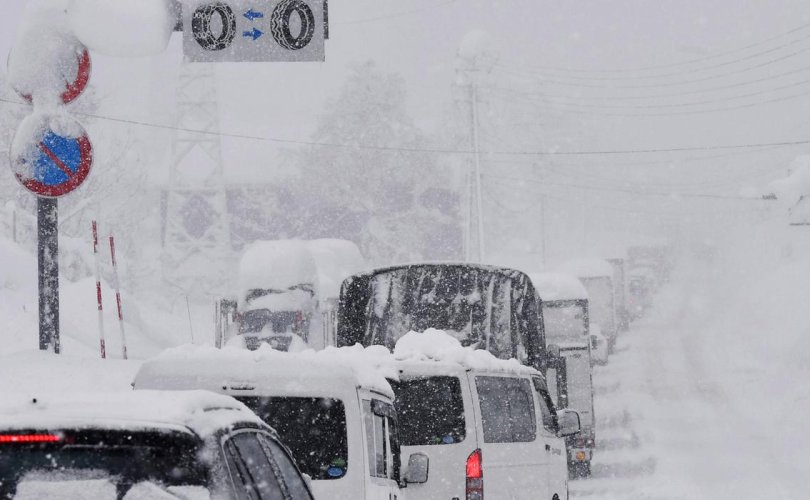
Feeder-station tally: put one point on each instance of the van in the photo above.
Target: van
(487, 427)
(334, 413)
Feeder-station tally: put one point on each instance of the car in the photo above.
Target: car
(145, 444)
(487, 428)
(333, 409)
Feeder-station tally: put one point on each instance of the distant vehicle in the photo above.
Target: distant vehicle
(487, 307)
(487, 431)
(597, 277)
(566, 316)
(144, 445)
(643, 283)
(336, 415)
(288, 292)
(620, 291)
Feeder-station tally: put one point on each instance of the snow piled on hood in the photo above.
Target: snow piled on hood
(439, 346)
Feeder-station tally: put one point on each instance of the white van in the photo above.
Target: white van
(334, 414)
(488, 428)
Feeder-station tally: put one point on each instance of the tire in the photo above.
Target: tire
(280, 24)
(201, 26)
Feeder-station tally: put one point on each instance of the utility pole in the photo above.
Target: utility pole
(476, 177)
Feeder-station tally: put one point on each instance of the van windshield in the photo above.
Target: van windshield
(314, 429)
(430, 410)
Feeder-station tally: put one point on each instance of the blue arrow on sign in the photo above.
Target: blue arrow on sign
(253, 34)
(252, 14)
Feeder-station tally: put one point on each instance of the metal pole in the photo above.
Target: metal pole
(478, 197)
(48, 267)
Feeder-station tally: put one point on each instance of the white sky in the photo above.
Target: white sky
(420, 38)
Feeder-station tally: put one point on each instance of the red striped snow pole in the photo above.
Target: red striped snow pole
(98, 292)
(118, 298)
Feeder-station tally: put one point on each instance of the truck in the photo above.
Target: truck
(597, 277)
(564, 303)
(287, 294)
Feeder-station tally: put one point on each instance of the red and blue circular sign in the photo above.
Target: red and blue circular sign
(49, 162)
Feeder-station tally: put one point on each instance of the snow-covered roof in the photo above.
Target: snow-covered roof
(201, 412)
(332, 371)
(558, 286)
(278, 265)
(797, 184)
(587, 268)
(437, 351)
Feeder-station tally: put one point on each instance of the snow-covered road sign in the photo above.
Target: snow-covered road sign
(51, 156)
(67, 75)
(254, 30)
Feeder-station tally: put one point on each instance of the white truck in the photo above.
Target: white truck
(564, 302)
(287, 294)
(597, 276)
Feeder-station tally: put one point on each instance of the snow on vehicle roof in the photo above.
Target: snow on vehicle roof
(439, 349)
(330, 371)
(202, 412)
(558, 286)
(335, 260)
(277, 265)
(587, 268)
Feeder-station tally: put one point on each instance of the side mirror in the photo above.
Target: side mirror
(568, 423)
(553, 350)
(594, 342)
(417, 472)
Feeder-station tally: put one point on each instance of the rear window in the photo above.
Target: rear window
(431, 411)
(507, 409)
(314, 429)
(99, 457)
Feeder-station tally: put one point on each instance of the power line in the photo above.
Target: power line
(439, 151)
(557, 81)
(682, 63)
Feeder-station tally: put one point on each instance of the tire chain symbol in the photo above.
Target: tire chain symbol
(280, 24)
(201, 26)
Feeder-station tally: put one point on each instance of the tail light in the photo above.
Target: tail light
(475, 476)
(28, 438)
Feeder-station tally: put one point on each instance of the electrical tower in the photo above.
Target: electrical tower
(197, 249)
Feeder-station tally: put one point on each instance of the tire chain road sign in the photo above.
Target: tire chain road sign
(254, 30)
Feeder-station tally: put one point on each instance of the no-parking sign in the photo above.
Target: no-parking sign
(254, 30)
(51, 155)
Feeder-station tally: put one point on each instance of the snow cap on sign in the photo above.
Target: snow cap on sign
(129, 28)
(45, 56)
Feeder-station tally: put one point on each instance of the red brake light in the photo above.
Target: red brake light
(475, 469)
(475, 476)
(29, 438)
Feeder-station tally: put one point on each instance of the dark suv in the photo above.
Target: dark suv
(203, 446)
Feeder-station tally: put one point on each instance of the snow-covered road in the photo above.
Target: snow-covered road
(694, 405)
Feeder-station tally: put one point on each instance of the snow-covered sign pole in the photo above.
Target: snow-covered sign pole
(51, 154)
